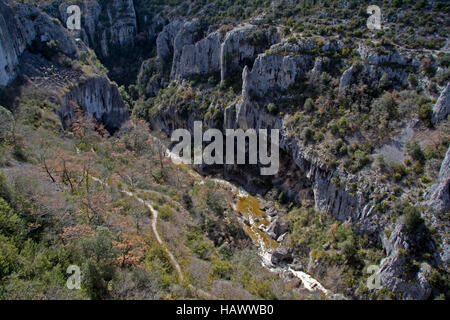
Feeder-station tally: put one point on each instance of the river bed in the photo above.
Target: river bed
(254, 221)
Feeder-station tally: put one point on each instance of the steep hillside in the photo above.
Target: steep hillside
(364, 145)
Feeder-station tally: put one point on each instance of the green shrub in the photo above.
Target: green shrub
(10, 224)
(307, 134)
(425, 111)
(272, 108)
(221, 269)
(415, 151)
(399, 172)
(99, 268)
(309, 105)
(443, 59)
(430, 152)
(257, 38)
(412, 218)
(9, 256)
(50, 49)
(339, 148)
(318, 136)
(428, 66)
(412, 79)
(165, 212)
(6, 124)
(385, 81)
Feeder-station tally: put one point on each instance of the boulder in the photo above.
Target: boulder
(276, 229)
(281, 255)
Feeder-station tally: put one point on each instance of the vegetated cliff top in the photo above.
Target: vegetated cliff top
(131, 27)
(413, 24)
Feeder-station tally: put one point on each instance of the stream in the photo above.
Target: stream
(255, 222)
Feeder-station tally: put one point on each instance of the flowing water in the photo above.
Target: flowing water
(255, 222)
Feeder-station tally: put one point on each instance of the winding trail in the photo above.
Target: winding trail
(309, 282)
(196, 291)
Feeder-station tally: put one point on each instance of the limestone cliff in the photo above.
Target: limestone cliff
(99, 98)
(104, 24)
(27, 29)
(182, 49)
(20, 26)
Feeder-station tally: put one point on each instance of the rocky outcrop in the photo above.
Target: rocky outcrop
(275, 72)
(201, 58)
(20, 25)
(346, 80)
(276, 229)
(12, 43)
(442, 107)
(165, 41)
(395, 273)
(438, 200)
(375, 64)
(438, 195)
(153, 72)
(187, 35)
(330, 186)
(241, 46)
(99, 98)
(316, 70)
(26, 27)
(272, 71)
(182, 49)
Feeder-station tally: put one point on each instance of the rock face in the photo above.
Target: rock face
(186, 35)
(442, 107)
(20, 26)
(375, 65)
(393, 271)
(182, 48)
(12, 43)
(165, 41)
(438, 199)
(200, 58)
(98, 97)
(104, 25)
(275, 71)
